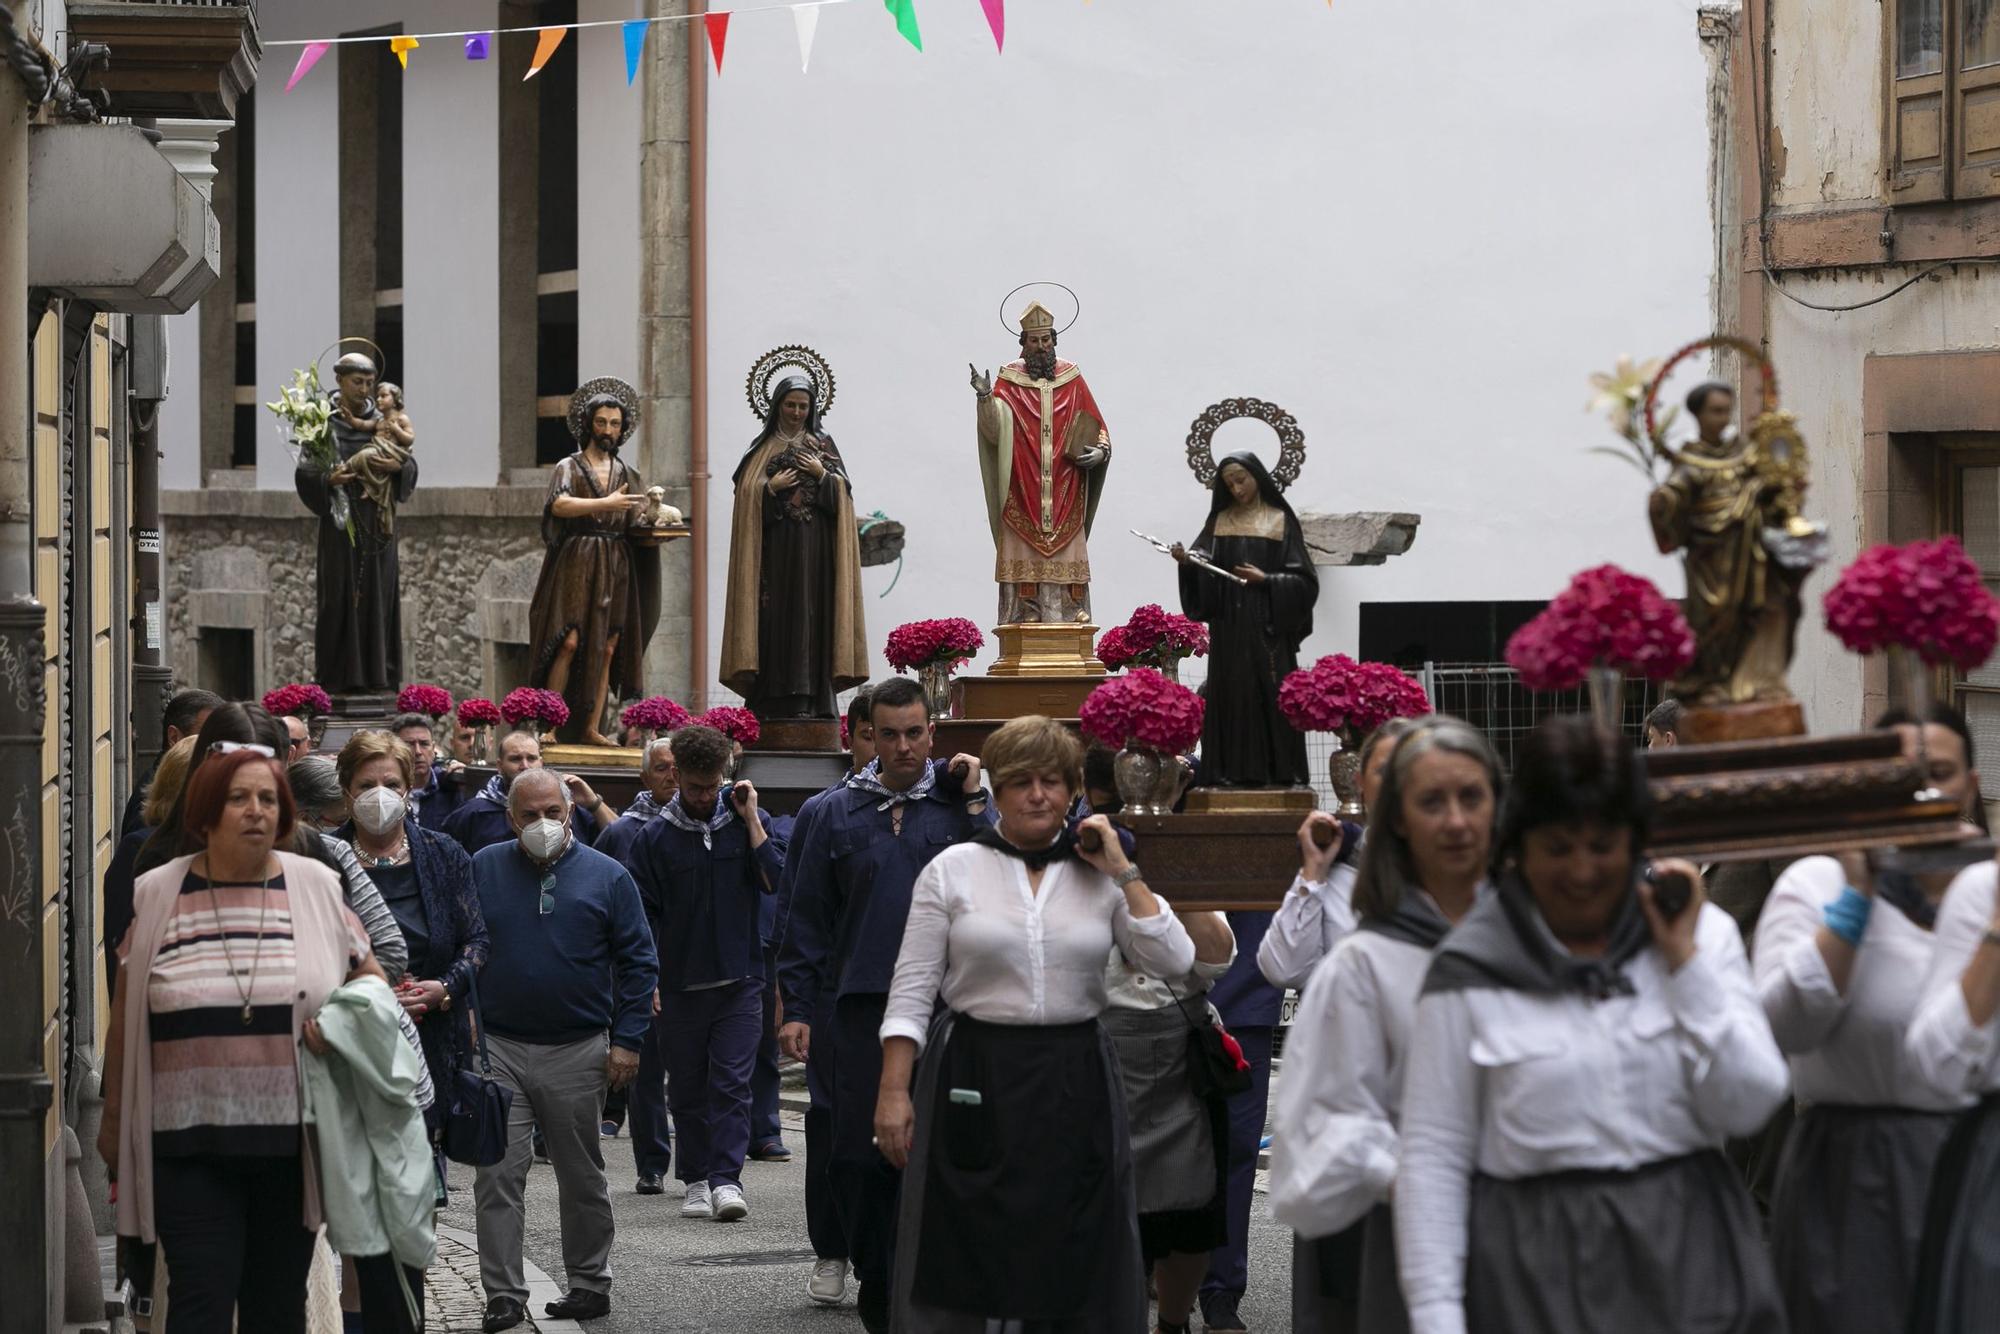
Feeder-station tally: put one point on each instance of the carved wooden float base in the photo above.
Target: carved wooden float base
(1240, 860)
(1229, 800)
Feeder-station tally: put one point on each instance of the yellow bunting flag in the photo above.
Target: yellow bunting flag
(545, 46)
(402, 46)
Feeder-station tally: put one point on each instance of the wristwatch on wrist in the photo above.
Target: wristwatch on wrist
(1128, 875)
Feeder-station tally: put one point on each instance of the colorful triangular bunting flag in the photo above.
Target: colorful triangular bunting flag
(307, 59)
(718, 33)
(635, 45)
(996, 19)
(402, 46)
(478, 45)
(906, 20)
(806, 20)
(545, 46)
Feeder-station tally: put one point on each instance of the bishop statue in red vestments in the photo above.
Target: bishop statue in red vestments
(1043, 451)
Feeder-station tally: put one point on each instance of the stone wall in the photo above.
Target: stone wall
(244, 561)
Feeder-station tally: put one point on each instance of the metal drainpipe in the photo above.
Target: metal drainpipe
(697, 112)
(151, 678)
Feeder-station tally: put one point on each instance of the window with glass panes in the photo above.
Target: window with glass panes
(1973, 512)
(1942, 113)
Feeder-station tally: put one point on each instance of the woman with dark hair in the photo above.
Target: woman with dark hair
(1334, 1143)
(792, 634)
(1841, 955)
(1255, 628)
(235, 726)
(1582, 1048)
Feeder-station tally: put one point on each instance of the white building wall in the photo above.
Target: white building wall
(1417, 230)
(607, 154)
(180, 412)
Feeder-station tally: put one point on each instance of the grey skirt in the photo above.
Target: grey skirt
(1847, 1218)
(1348, 1284)
(1958, 1273)
(1669, 1248)
(1122, 1304)
(1173, 1140)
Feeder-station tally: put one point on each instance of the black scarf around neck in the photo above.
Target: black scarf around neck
(1502, 944)
(1416, 921)
(1907, 897)
(1063, 849)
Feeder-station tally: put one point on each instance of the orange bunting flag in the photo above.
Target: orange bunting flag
(402, 46)
(718, 33)
(545, 46)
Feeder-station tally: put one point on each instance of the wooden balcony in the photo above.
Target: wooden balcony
(181, 60)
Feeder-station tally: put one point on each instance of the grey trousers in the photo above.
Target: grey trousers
(561, 1089)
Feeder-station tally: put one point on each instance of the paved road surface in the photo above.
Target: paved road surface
(673, 1274)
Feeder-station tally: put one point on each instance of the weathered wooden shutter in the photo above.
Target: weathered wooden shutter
(1918, 131)
(1976, 98)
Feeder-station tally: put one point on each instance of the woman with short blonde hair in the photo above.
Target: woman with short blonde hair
(1009, 1212)
(373, 745)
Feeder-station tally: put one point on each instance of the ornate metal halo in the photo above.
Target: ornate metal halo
(1016, 330)
(1730, 341)
(381, 369)
(1291, 439)
(793, 356)
(627, 396)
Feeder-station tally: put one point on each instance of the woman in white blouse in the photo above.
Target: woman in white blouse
(1840, 960)
(1018, 1199)
(1318, 910)
(1334, 1146)
(1577, 1060)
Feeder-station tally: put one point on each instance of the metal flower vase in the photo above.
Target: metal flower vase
(1148, 780)
(1912, 674)
(1169, 666)
(935, 677)
(1343, 771)
(1607, 697)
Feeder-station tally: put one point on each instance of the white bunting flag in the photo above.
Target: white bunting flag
(806, 20)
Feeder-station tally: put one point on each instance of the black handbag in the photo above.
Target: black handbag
(1216, 1067)
(475, 1121)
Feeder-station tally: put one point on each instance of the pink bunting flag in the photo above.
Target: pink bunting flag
(996, 19)
(307, 59)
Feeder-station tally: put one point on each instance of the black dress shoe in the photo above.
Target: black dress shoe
(503, 1313)
(581, 1304)
(871, 1303)
(651, 1183)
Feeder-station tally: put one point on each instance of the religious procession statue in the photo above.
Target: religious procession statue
(598, 598)
(358, 639)
(1043, 453)
(793, 630)
(1251, 579)
(1730, 505)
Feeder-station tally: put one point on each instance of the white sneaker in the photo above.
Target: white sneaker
(696, 1205)
(729, 1204)
(828, 1285)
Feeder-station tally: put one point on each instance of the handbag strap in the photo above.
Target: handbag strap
(478, 1022)
(1193, 1025)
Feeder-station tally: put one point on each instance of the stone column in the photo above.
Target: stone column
(666, 334)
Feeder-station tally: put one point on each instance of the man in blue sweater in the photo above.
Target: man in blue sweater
(483, 820)
(703, 869)
(852, 872)
(569, 985)
(432, 803)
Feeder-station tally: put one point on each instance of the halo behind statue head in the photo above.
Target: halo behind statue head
(1291, 439)
(764, 372)
(1741, 345)
(381, 362)
(604, 386)
(1016, 330)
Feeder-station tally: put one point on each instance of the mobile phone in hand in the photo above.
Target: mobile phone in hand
(1671, 891)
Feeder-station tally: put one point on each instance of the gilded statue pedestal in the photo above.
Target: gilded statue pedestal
(1053, 648)
(1758, 720)
(1240, 800)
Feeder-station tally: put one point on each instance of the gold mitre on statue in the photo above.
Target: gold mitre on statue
(1037, 318)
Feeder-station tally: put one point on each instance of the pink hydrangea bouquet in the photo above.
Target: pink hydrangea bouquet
(478, 712)
(738, 725)
(300, 700)
(948, 642)
(1143, 708)
(528, 704)
(1605, 618)
(431, 701)
(1338, 694)
(1923, 596)
(1154, 637)
(656, 714)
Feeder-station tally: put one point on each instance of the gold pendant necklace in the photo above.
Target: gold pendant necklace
(243, 993)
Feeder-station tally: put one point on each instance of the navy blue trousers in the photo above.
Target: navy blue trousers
(1229, 1265)
(764, 1127)
(646, 1107)
(865, 1188)
(829, 1239)
(709, 1039)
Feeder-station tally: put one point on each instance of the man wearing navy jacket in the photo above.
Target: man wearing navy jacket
(434, 802)
(851, 879)
(482, 821)
(704, 868)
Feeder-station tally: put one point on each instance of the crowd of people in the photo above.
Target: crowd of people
(1535, 1080)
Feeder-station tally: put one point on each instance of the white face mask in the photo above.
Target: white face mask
(379, 810)
(544, 839)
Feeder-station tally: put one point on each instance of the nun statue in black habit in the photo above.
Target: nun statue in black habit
(792, 632)
(1255, 627)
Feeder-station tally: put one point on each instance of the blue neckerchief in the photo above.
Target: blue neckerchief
(675, 813)
(645, 807)
(870, 780)
(495, 791)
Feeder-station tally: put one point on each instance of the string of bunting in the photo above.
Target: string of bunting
(478, 45)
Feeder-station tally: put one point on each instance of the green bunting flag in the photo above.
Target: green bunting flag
(906, 20)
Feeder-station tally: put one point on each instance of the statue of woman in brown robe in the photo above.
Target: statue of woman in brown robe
(793, 633)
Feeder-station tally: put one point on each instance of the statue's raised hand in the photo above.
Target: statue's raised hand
(982, 383)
